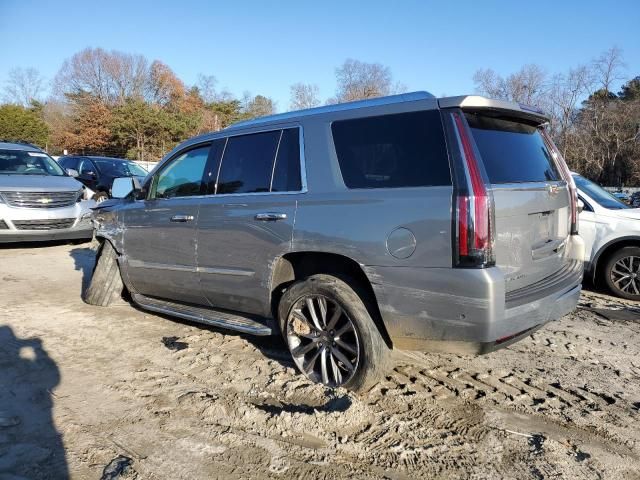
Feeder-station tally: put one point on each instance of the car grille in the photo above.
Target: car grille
(54, 224)
(40, 199)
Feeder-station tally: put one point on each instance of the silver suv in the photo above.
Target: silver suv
(405, 222)
(38, 200)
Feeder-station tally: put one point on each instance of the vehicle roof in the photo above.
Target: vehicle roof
(26, 147)
(462, 101)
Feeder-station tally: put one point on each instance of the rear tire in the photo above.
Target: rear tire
(347, 350)
(622, 273)
(106, 283)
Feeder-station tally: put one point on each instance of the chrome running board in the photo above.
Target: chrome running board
(205, 315)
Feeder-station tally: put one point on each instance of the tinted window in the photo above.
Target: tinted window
(402, 150)
(119, 168)
(598, 194)
(286, 174)
(86, 168)
(182, 177)
(247, 163)
(68, 163)
(217, 147)
(512, 152)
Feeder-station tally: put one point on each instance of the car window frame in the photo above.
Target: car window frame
(301, 159)
(151, 184)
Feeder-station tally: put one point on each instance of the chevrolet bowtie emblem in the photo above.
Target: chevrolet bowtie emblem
(45, 200)
(553, 190)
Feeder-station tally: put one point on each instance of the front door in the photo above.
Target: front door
(248, 221)
(160, 231)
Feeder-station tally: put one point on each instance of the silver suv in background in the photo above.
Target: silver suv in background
(611, 232)
(405, 222)
(38, 200)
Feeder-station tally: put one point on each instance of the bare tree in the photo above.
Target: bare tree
(24, 86)
(565, 91)
(207, 87)
(304, 95)
(608, 68)
(527, 85)
(359, 80)
(163, 86)
(111, 77)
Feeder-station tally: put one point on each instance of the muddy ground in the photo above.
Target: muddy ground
(81, 386)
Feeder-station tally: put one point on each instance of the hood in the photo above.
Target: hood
(38, 183)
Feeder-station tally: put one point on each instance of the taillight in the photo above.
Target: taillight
(473, 221)
(567, 177)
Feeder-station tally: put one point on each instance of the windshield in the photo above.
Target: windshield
(20, 162)
(120, 168)
(599, 194)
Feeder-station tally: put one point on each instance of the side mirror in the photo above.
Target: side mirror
(72, 173)
(580, 206)
(122, 187)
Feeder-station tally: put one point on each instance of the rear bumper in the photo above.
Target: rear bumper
(465, 310)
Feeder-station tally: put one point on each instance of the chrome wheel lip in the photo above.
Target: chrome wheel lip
(625, 275)
(329, 352)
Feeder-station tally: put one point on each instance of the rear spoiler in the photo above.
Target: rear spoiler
(511, 109)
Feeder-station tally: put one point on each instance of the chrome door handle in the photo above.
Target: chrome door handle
(270, 217)
(182, 218)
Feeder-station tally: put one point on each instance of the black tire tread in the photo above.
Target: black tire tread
(106, 283)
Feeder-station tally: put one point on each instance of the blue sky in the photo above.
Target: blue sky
(265, 46)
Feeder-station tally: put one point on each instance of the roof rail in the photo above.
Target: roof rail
(370, 102)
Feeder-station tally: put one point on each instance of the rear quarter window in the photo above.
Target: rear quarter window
(391, 151)
(511, 151)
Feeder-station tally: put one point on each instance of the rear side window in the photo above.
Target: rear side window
(286, 173)
(247, 163)
(512, 152)
(390, 151)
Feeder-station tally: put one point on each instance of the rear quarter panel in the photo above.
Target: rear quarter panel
(356, 223)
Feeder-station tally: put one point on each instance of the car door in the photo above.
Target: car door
(248, 220)
(160, 231)
(88, 173)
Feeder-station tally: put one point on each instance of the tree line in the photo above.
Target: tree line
(119, 104)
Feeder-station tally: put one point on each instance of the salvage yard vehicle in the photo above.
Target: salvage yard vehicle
(405, 222)
(98, 173)
(611, 232)
(38, 200)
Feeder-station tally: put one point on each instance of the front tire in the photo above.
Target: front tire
(331, 336)
(106, 284)
(622, 273)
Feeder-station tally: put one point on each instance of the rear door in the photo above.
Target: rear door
(532, 201)
(247, 221)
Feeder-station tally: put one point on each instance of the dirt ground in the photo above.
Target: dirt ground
(81, 386)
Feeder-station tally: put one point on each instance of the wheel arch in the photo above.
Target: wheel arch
(298, 265)
(607, 249)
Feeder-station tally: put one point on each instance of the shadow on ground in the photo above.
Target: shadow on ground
(84, 261)
(30, 445)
